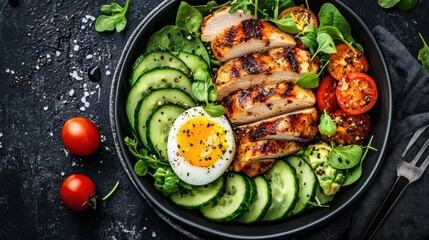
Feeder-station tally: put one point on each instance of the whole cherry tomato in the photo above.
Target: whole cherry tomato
(81, 136)
(356, 93)
(78, 192)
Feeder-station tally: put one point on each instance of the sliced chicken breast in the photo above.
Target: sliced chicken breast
(219, 20)
(262, 102)
(296, 126)
(263, 150)
(252, 168)
(247, 37)
(275, 66)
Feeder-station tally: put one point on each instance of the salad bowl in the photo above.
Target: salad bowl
(182, 218)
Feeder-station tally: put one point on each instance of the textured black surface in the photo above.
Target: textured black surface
(46, 49)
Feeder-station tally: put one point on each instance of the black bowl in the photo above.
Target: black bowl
(165, 14)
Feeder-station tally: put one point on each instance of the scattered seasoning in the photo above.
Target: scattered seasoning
(94, 74)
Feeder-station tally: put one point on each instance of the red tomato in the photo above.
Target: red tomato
(303, 17)
(78, 192)
(345, 61)
(351, 129)
(81, 136)
(357, 93)
(326, 98)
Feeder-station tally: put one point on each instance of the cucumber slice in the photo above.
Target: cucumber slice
(159, 125)
(191, 60)
(233, 202)
(153, 59)
(200, 196)
(307, 183)
(261, 203)
(152, 101)
(284, 190)
(321, 198)
(154, 79)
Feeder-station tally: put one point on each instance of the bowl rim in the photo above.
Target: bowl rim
(172, 219)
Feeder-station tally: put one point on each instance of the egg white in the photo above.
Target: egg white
(196, 175)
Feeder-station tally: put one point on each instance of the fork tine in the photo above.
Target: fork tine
(425, 164)
(420, 153)
(414, 139)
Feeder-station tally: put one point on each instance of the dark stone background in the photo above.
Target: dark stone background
(46, 49)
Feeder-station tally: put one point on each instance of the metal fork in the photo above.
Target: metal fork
(407, 172)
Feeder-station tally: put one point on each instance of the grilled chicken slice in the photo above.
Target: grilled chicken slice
(261, 102)
(219, 20)
(275, 66)
(247, 37)
(265, 149)
(296, 126)
(252, 168)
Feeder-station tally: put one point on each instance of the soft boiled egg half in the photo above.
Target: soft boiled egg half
(200, 147)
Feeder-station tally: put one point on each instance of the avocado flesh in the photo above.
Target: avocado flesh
(330, 179)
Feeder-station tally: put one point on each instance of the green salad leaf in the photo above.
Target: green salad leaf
(424, 54)
(387, 3)
(189, 19)
(113, 17)
(327, 125)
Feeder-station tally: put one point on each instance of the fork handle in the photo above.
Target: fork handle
(394, 194)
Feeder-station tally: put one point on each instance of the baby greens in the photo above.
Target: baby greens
(310, 80)
(185, 36)
(404, 5)
(210, 7)
(327, 125)
(424, 54)
(113, 18)
(165, 180)
(353, 174)
(345, 157)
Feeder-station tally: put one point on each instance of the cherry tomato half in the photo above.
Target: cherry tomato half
(326, 98)
(81, 136)
(351, 129)
(303, 17)
(78, 192)
(357, 93)
(345, 61)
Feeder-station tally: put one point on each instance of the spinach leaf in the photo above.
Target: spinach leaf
(286, 24)
(214, 110)
(240, 4)
(310, 80)
(308, 38)
(424, 54)
(327, 125)
(325, 44)
(330, 16)
(387, 3)
(210, 7)
(345, 157)
(113, 18)
(189, 19)
(268, 7)
(337, 35)
(407, 5)
(353, 174)
(174, 38)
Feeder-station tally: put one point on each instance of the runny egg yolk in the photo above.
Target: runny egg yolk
(202, 142)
